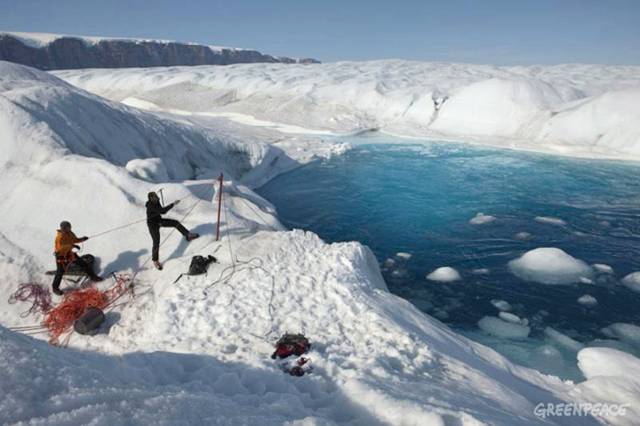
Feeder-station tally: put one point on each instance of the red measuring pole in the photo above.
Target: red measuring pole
(219, 207)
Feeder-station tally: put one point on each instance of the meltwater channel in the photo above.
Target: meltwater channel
(419, 198)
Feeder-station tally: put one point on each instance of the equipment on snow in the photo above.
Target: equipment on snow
(200, 264)
(291, 344)
(89, 322)
(192, 236)
(158, 265)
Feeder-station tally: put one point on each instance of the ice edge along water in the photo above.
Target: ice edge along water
(191, 352)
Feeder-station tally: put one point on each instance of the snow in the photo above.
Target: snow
(196, 349)
(444, 274)
(403, 255)
(481, 219)
(504, 329)
(579, 110)
(632, 281)
(549, 265)
(610, 381)
(587, 300)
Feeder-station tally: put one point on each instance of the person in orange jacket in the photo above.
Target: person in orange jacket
(64, 244)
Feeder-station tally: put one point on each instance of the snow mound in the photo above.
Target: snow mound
(609, 382)
(444, 274)
(632, 281)
(498, 106)
(504, 329)
(481, 219)
(548, 265)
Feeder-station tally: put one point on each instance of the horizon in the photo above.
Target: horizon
(505, 34)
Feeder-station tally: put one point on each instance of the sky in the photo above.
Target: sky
(503, 32)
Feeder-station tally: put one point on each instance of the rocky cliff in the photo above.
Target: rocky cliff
(52, 52)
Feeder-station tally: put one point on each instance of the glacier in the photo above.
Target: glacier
(196, 350)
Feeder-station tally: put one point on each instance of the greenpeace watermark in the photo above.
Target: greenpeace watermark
(566, 409)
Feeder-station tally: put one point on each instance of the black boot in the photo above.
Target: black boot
(57, 291)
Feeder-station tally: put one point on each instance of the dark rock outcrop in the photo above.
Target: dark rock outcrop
(74, 52)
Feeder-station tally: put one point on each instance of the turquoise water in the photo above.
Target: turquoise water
(419, 198)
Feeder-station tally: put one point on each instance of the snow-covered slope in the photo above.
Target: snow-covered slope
(196, 350)
(569, 109)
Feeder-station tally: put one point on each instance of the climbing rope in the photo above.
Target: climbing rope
(39, 296)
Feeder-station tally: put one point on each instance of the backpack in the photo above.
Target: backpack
(200, 264)
(291, 344)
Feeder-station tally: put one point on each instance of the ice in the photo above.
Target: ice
(389, 263)
(509, 317)
(628, 333)
(403, 255)
(501, 305)
(548, 265)
(481, 271)
(563, 340)
(481, 219)
(587, 300)
(582, 110)
(550, 220)
(504, 329)
(522, 236)
(602, 268)
(444, 274)
(149, 169)
(632, 281)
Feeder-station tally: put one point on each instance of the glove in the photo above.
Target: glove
(83, 239)
(176, 202)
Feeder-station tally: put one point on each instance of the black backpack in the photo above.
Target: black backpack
(200, 264)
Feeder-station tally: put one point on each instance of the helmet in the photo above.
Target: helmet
(152, 196)
(65, 224)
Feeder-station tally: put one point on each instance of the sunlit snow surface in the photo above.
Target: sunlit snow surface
(419, 199)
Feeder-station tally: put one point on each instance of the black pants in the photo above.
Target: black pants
(154, 230)
(61, 268)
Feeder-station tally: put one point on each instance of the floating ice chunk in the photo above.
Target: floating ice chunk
(512, 318)
(563, 340)
(149, 169)
(628, 333)
(444, 274)
(550, 220)
(585, 280)
(501, 305)
(481, 219)
(632, 281)
(547, 359)
(587, 300)
(389, 263)
(602, 268)
(550, 265)
(500, 328)
(522, 236)
(403, 255)
(480, 271)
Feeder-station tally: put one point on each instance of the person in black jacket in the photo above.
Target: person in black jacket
(155, 221)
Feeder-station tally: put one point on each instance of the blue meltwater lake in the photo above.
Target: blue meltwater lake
(419, 198)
